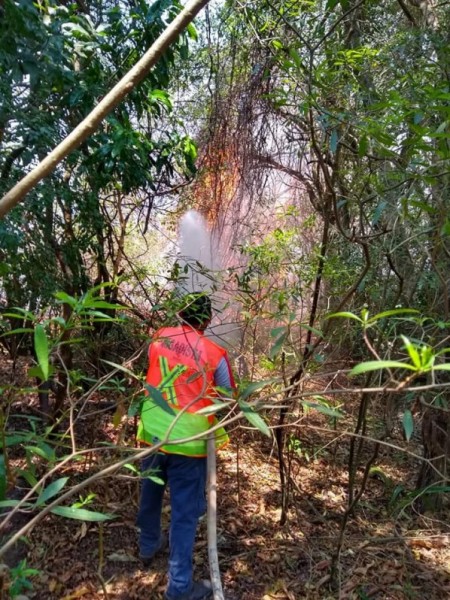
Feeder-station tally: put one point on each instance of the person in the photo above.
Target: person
(185, 369)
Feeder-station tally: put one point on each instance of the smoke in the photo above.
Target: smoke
(200, 270)
(198, 259)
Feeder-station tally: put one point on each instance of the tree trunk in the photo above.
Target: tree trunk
(436, 444)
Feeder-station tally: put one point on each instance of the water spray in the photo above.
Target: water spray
(197, 257)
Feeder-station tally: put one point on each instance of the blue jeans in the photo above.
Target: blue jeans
(186, 477)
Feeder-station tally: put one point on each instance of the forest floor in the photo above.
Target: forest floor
(386, 554)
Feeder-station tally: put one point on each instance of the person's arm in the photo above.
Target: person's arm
(223, 376)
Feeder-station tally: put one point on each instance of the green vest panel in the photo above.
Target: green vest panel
(156, 422)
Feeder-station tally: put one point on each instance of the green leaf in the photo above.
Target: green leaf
(80, 514)
(378, 212)
(423, 205)
(76, 31)
(162, 97)
(345, 315)
(445, 367)
(51, 490)
(408, 424)
(295, 57)
(43, 450)
(148, 474)
(36, 371)
(135, 406)
(62, 322)
(154, 478)
(363, 146)
(66, 299)
(12, 503)
(94, 303)
(443, 350)
(192, 31)
(19, 330)
(224, 392)
(325, 410)
(399, 489)
(274, 351)
(210, 410)
(132, 467)
(312, 329)
(334, 139)
(331, 4)
(375, 365)
(446, 228)
(29, 477)
(41, 349)
(427, 357)
(255, 419)
(158, 399)
(394, 311)
(17, 438)
(436, 489)
(254, 387)
(121, 368)
(277, 330)
(84, 500)
(381, 474)
(100, 316)
(412, 351)
(25, 313)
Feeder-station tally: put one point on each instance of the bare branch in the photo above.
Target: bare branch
(408, 14)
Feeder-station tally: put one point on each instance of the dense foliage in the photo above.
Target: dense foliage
(57, 59)
(334, 117)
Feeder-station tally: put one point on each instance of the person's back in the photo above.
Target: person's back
(184, 367)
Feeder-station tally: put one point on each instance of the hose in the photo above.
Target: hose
(212, 520)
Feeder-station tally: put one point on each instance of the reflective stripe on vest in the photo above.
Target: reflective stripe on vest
(167, 385)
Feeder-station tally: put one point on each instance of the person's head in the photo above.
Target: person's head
(196, 310)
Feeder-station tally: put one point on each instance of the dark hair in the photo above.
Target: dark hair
(197, 309)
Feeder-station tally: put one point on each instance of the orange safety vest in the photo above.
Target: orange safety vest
(181, 370)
